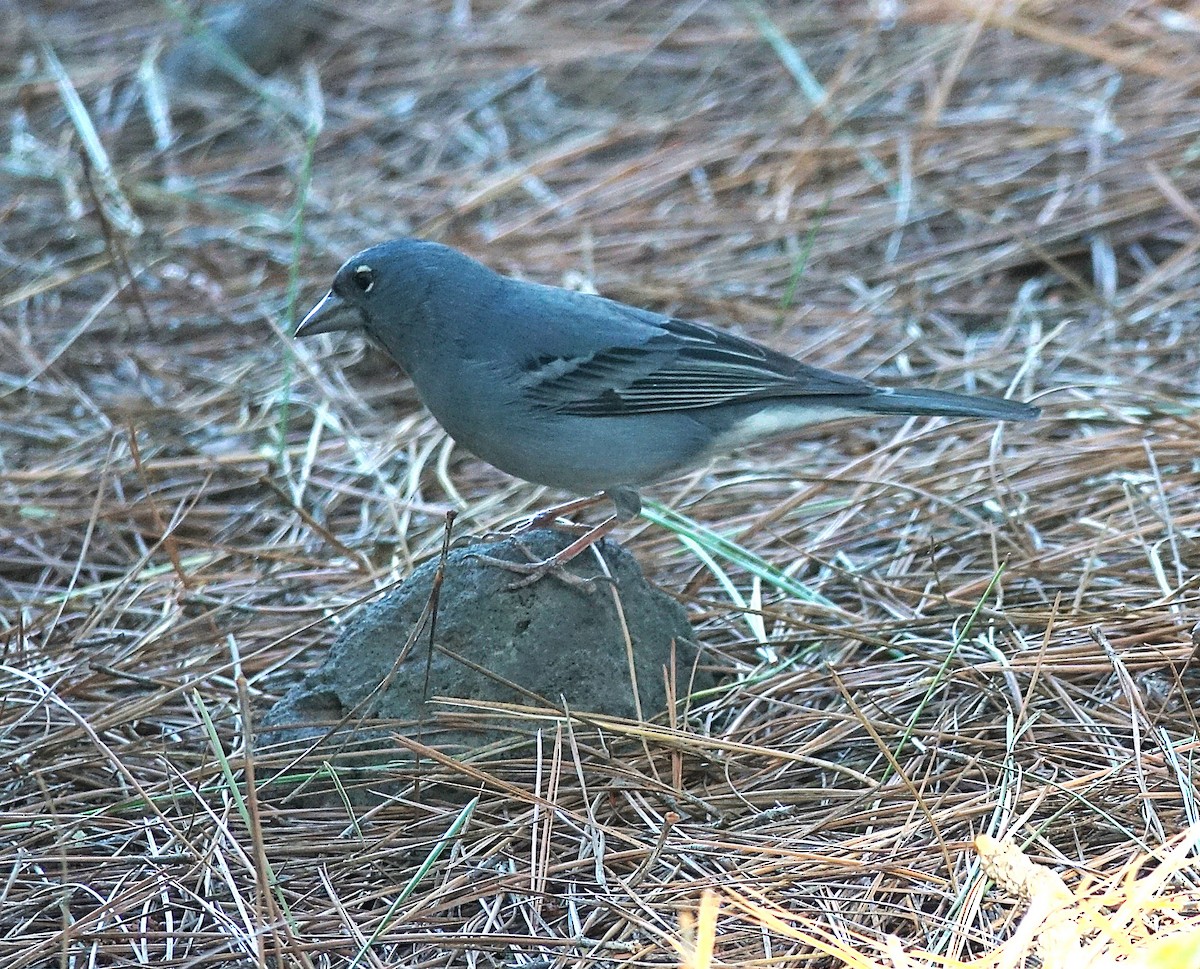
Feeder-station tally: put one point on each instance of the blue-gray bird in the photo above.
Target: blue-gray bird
(584, 393)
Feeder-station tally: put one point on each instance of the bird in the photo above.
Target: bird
(585, 394)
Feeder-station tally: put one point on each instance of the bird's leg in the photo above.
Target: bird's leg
(550, 516)
(627, 503)
(536, 570)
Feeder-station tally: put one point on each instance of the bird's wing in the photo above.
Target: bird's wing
(681, 366)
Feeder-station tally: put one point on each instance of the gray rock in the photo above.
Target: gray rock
(548, 640)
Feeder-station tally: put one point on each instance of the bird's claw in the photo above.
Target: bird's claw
(537, 569)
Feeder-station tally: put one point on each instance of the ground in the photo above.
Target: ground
(925, 630)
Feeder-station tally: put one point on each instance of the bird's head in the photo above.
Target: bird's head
(381, 288)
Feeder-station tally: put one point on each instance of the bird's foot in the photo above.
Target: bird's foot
(536, 569)
(628, 505)
(533, 524)
(555, 517)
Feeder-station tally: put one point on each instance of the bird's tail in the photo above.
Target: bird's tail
(940, 403)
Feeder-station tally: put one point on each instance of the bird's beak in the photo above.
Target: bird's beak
(329, 316)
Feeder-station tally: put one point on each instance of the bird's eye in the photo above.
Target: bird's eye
(364, 278)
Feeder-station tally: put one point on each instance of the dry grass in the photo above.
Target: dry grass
(999, 193)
